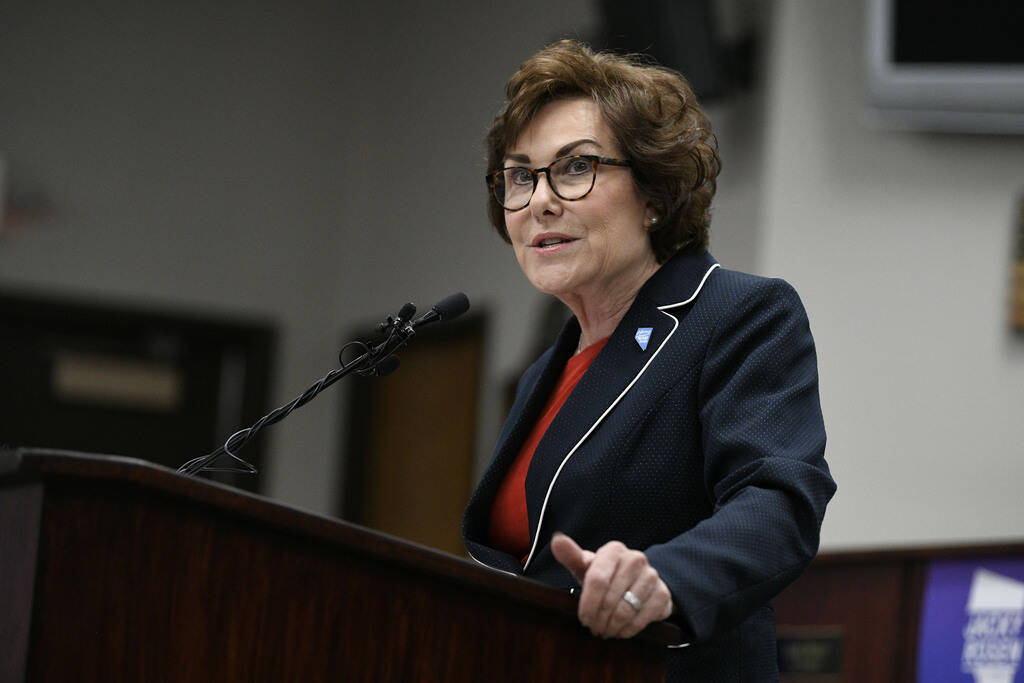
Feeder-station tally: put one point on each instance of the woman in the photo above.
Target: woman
(666, 454)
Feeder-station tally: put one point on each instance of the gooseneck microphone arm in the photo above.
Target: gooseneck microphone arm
(375, 361)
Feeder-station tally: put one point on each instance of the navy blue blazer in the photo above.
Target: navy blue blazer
(705, 450)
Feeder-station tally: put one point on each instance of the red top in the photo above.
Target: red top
(509, 526)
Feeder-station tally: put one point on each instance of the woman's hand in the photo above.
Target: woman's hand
(606, 576)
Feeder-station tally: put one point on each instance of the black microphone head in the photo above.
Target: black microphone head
(452, 306)
(407, 312)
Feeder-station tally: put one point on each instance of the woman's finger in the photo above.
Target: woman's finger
(595, 585)
(571, 555)
(614, 611)
(643, 589)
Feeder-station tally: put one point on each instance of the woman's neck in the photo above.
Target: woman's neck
(600, 312)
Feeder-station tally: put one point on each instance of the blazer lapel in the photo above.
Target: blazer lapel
(614, 372)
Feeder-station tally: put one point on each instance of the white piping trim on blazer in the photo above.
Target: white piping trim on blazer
(493, 569)
(675, 326)
(544, 506)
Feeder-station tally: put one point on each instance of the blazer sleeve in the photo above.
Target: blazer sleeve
(763, 442)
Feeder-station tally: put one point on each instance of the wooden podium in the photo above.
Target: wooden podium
(113, 569)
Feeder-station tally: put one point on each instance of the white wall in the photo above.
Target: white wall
(900, 245)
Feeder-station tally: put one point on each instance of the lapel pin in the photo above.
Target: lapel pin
(643, 335)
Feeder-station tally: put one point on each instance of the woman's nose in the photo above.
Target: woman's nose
(544, 200)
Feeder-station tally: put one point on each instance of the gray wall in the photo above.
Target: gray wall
(269, 159)
(900, 245)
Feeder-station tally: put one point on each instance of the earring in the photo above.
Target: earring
(652, 223)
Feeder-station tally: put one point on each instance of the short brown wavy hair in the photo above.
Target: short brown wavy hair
(657, 123)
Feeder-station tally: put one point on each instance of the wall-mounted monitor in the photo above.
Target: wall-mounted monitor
(946, 65)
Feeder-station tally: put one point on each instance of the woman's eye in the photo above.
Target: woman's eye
(520, 176)
(578, 166)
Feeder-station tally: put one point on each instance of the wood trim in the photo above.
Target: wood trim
(987, 549)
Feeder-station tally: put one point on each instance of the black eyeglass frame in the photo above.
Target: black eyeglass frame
(595, 161)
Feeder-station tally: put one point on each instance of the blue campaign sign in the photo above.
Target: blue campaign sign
(971, 620)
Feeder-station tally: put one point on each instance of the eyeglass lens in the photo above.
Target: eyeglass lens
(569, 177)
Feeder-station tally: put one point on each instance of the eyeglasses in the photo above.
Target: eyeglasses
(570, 178)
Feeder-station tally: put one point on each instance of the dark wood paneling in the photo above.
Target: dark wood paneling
(873, 600)
(861, 602)
(20, 510)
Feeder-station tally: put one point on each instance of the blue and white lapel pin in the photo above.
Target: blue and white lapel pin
(642, 336)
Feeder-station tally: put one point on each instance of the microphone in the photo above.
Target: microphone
(406, 313)
(448, 308)
(398, 322)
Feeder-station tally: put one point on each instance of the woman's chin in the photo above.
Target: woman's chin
(555, 285)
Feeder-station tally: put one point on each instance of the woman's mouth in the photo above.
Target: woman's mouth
(551, 241)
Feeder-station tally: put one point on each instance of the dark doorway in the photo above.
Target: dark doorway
(120, 380)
